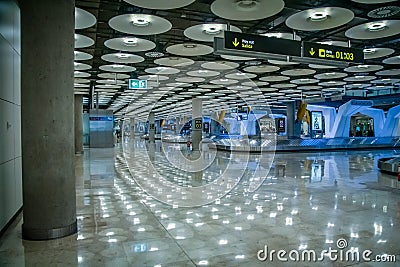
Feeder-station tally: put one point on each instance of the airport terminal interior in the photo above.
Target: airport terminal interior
(199, 133)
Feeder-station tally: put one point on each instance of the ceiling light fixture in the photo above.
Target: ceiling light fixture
(123, 56)
(130, 41)
(189, 46)
(212, 29)
(318, 16)
(140, 22)
(154, 54)
(369, 50)
(377, 26)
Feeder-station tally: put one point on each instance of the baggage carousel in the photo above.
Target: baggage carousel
(304, 145)
(389, 165)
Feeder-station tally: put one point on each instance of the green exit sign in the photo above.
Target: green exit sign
(137, 84)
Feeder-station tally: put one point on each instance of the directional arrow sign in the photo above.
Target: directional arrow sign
(235, 43)
(258, 43)
(137, 84)
(312, 51)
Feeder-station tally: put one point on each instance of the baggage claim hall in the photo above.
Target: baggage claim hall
(199, 133)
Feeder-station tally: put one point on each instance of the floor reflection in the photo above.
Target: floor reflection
(319, 199)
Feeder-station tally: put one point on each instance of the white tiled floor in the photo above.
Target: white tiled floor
(323, 197)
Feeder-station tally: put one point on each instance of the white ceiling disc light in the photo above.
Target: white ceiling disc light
(281, 62)
(160, 4)
(81, 66)
(393, 72)
(298, 72)
(78, 55)
(220, 65)
(122, 58)
(174, 61)
(162, 70)
(332, 83)
(363, 68)
(261, 68)
(108, 75)
(373, 1)
(359, 78)
(153, 77)
(207, 32)
(304, 81)
(309, 87)
(203, 73)
(80, 80)
(237, 58)
(82, 41)
(240, 76)
(188, 79)
(330, 75)
(140, 24)
(333, 42)
(111, 81)
(83, 19)
(255, 83)
(80, 74)
(284, 85)
(276, 78)
(374, 30)
(392, 60)
(117, 68)
(130, 44)
(224, 81)
(282, 35)
(377, 52)
(318, 19)
(190, 49)
(316, 66)
(245, 10)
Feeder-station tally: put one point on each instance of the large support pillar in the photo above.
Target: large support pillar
(197, 123)
(132, 128)
(48, 119)
(152, 128)
(78, 106)
(290, 114)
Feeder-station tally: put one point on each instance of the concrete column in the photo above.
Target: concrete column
(152, 128)
(78, 106)
(132, 126)
(290, 114)
(197, 123)
(47, 104)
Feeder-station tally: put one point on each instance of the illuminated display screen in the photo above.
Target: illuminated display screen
(316, 121)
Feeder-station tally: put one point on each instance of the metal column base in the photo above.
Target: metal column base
(46, 234)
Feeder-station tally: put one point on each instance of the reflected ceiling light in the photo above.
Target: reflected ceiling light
(117, 66)
(377, 26)
(318, 16)
(362, 66)
(141, 22)
(130, 41)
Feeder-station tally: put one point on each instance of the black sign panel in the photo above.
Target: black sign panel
(257, 43)
(332, 52)
(281, 125)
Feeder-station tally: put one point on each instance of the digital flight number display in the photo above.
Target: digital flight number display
(331, 52)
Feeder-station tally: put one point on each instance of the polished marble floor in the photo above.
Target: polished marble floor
(161, 205)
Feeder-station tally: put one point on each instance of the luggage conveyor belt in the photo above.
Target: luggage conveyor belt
(305, 145)
(389, 165)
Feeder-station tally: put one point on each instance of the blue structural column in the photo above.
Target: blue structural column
(47, 101)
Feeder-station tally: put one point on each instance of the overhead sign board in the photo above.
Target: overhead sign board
(332, 52)
(264, 44)
(137, 84)
(198, 124)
